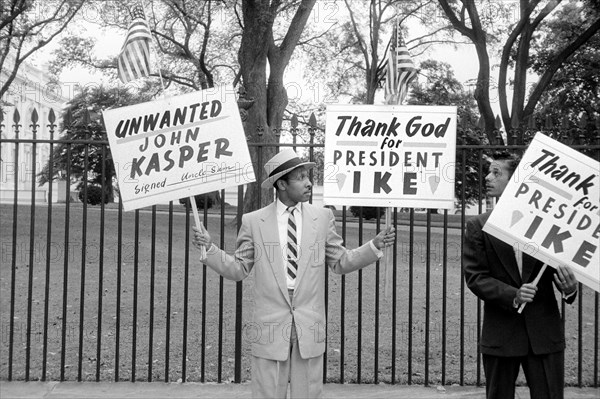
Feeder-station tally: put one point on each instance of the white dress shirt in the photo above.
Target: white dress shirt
(282, 222)
(282, 226)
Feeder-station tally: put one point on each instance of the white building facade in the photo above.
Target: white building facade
(32, 89)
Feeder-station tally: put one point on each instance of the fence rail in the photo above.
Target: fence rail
(93, 293)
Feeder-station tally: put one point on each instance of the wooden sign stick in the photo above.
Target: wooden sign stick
(387, 262)
(199, 225)
(535, 282)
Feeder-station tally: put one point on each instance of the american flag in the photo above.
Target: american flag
(400, 70)
(133, 61)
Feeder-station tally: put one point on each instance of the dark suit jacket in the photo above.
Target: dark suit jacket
(491, 273)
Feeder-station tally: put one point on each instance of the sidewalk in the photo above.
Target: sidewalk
(159, 390)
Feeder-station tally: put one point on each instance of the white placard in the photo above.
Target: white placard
(390, 156)
(550, 208)
(178, 147)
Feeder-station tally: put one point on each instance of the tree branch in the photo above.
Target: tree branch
(458, 24)
(556, 64)
(295, 30)
(19, 59)
(16, 9)
(505, 58)
(361, 40)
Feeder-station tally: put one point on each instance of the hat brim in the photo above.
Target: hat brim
(270, 181)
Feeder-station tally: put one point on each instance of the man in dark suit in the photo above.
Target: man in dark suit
(289, 260)
(501, 276)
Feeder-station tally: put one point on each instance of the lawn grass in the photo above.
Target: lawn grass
(416, 346)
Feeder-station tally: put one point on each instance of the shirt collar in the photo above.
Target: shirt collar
(282, 208)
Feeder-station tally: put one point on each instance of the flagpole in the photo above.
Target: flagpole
(387, 267)
(388, 270)
(192, 199)
(400, 71)
(155, 41)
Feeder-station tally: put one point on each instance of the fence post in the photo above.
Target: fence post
(16, 126)
(34, 127)
(471, 165)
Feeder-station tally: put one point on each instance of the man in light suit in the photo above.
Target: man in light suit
(501, 276)
(289, 289)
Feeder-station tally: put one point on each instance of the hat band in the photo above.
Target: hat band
(286, 165)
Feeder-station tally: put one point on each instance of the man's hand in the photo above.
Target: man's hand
(565, 279)
(385, 238)
(525, 294)
(201, 238)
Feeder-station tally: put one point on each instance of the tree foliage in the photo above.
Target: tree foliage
(437, 85)
(195, 42)
(470, 19)
(198, 40)
(252, 42)
(82, 121)
(271, 32)
(26, 26)
(347, 62)
(574, 91)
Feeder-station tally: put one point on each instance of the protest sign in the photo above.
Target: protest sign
(390, 156)
(178, 147)
(550, 209)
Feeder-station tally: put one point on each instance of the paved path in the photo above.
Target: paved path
(158, 390)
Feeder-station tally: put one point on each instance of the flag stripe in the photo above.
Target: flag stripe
(133, 61)
(400, 70)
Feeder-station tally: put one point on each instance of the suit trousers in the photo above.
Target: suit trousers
(544, 375)
(270, 377)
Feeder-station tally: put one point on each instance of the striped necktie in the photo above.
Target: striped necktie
(292, 245)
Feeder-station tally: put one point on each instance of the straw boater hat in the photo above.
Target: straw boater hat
(283, 162)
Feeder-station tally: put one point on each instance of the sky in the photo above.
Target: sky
(463, 58)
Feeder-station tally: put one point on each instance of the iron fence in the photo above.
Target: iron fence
(93, 293)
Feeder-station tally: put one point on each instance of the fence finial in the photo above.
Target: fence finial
(481, 123)
(67, 118)
(294, 129)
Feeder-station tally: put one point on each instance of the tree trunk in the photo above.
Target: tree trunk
(253, 62)
(482, 92)
(478, 36)
(523, 31)
(371, 82)
(520, 85)
(270, 97)
(557, 62)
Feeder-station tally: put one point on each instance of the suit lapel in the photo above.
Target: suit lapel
(270, 237)
(528, 266)
(309, 232)
(507, 258)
